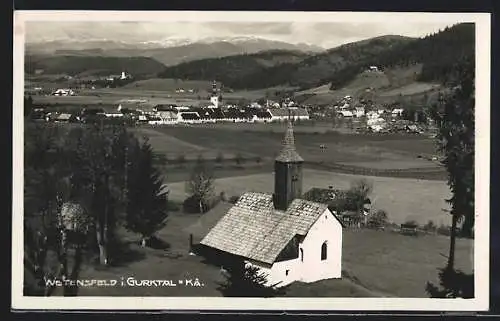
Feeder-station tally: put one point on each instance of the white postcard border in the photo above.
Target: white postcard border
(482, 175)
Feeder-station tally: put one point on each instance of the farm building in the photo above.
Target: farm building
(189, 117)
(63, 92)
(114, 113)
(262, 117)
(168, 117)
(64, 118)
(288, 238)
(340, 205)
(282, 114)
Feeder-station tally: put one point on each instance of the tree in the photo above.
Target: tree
(454, 116)
(238, 158)
(181, 159)
(201, 185)
(244, 280)
(219, 158)
(28, 106)
(200, 158)
(43, 188)
(100, 177)
(146, 209)
(378, 219)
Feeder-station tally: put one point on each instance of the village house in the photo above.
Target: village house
(189, 117)
(262, 117)
(166, 113)
(282, 114)
(63, 92)
(114, 113)
(64, 118)
(359, 111)
(288, 238)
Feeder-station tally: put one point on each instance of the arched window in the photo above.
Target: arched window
(302, 255)
(323, 251)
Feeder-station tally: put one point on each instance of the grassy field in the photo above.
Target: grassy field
(375, 264)
(403, 198)
(388, 151)
(154, 91)
(385, 87)
(411, 89)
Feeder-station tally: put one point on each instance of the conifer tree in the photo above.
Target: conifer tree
(244, 280)
(455, 118)
(146, 210)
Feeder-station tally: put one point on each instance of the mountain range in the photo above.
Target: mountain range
(437, 53)
(170, 51)
(252, 63)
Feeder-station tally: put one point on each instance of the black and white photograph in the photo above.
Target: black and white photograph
(251, 160)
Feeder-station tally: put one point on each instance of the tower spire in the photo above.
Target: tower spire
(287, 172)
(288, 151)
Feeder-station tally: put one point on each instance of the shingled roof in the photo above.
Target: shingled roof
(254, 229)
(288, 152)
(285, 112)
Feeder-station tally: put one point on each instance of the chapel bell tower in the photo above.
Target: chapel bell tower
(287, 172)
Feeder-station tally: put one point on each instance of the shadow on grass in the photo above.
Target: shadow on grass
(156, 243)
(124, 253)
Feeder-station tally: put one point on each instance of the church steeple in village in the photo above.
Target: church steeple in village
(287, 172)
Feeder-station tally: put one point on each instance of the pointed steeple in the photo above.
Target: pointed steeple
(288, 152)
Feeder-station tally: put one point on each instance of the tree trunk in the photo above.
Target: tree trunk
(63, 259)
(451, 256)
(72, 290)
(201, 206)
(101, 241)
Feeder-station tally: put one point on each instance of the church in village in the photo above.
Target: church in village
(288, 238)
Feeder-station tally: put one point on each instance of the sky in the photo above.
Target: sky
(323, 34)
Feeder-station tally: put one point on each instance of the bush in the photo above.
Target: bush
(173, 206)
(181, 159)
(378, 220)
(234, 199)
(411, 223)
(191, 205)
(444, 230)
(219, 158)
(430, 226)
(239, 159)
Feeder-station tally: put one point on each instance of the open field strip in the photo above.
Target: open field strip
(403, 199)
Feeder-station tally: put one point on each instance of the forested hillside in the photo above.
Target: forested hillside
(438, 53)
(230, 70)
(338, 66)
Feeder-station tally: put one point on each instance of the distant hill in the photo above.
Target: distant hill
(338, 66)
(92, 65)
(437, 53)
(229, 70)
(304, 72)
(169, 54)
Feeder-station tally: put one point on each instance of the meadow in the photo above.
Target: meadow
(375, 264)
(395, 151)
(404, 199)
